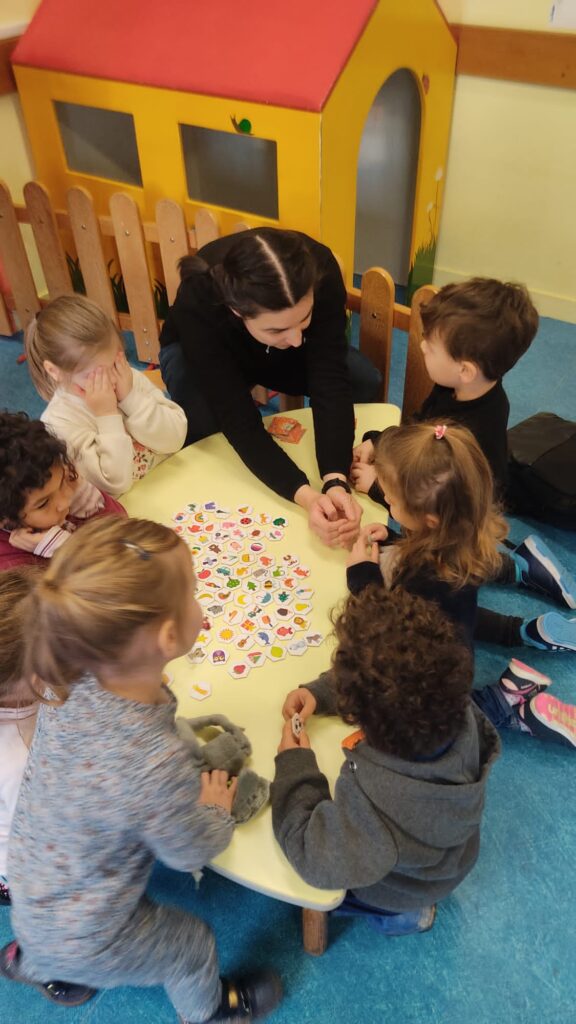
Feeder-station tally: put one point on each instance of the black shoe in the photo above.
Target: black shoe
(61, 992)
(5, 900)
(245, 999)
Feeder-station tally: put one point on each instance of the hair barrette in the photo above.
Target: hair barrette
(440, 431)
(141, 552)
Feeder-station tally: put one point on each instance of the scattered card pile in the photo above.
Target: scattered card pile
(257, 603)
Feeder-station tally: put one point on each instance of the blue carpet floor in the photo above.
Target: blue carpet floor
(503, 948)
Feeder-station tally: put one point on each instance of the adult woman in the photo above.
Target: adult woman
(267, 306)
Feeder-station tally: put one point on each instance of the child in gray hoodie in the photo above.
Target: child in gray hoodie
(403, 827)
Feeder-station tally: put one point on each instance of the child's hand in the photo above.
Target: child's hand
(26, 539)
(366, 547)
(291, 742)
(122, 377)
(362, 475)
(99, 393)
(215, 789)
(299, 702)
(363, 452)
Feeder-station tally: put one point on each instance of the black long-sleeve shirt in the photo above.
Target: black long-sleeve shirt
(485, 417)
(227, 362)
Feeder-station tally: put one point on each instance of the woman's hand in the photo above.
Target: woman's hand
(289, 741)
(215, 788)
(299, 702)
(334, 517)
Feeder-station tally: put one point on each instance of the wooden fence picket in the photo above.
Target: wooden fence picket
(173, 240)
(88, 240)
(134, 266)
(416, 382)
(15, 261)
(376, 321)
(48, 241)
(206, 226)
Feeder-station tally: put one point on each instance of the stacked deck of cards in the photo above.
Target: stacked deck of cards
(257, 603)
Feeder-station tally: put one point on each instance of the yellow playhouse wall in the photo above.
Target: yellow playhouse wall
(509, 206)
(400, 35)
(16, 165)
(157, 114)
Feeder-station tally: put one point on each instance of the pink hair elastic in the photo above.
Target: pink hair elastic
(440, 431)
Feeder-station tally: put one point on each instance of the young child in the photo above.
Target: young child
(403, 827)
(474, 333)
(110, 787)
(17, 704)
(42, 497)
(117, 425)
(438, 486)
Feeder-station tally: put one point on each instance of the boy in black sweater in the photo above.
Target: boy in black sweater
(473, 333)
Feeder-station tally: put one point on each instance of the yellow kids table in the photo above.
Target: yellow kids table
(208, 471)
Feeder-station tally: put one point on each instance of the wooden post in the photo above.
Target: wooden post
(376, 321)
(15, 261)
(88, 240)
(173, 239)
(314, 931)
(6, 325)
(132, 255)
(207, 229)
(417, 383)
(289, 402)
(48, 242)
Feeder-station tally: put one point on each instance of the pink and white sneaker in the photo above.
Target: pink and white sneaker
(555, 717)
(520, 682)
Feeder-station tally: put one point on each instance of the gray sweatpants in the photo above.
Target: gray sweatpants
(159, 946)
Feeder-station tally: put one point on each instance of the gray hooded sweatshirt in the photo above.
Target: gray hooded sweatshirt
(400, 834)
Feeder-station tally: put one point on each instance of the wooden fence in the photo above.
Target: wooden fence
(147, 256)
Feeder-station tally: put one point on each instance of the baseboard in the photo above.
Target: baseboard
(558, 307)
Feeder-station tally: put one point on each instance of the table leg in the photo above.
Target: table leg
(314, 931)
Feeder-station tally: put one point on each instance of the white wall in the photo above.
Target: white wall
(509, 203)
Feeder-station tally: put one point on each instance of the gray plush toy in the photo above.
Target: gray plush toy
(215, 742)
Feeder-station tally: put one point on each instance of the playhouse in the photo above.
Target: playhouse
(264, 112)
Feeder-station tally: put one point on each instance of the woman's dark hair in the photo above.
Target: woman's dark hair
(401, 673)
(28, 453)
(264, 269)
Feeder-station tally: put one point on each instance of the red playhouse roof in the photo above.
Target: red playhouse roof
(285, 52)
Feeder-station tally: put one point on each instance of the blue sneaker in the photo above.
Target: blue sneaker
(407, 923)
(538, 569)
(550, 632)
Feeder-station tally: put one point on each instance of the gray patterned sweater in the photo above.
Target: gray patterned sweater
(108, 787)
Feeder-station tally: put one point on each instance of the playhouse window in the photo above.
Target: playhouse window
(99, 142)
(236, 171)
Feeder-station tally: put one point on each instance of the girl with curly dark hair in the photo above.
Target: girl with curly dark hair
(42, 497)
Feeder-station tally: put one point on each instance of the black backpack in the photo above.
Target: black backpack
(542, 469)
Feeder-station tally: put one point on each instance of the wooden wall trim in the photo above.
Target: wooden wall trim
(536, 58)
(7, 80)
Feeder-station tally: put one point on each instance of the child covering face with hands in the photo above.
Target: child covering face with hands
(117, 425)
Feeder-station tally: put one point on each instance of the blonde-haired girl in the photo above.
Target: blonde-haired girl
(117, 425)
(110, 785)
(438, 486)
